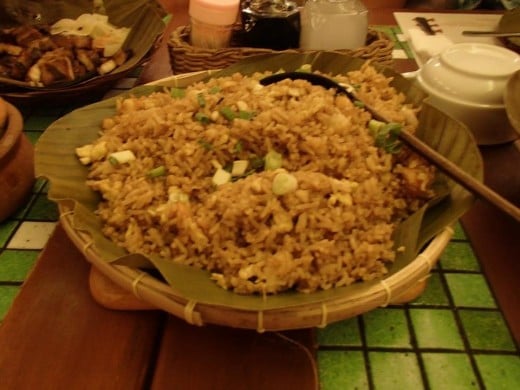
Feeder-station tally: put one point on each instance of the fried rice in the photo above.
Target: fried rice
(178, 197)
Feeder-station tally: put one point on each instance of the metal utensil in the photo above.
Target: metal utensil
(491, 34)
(437, 159)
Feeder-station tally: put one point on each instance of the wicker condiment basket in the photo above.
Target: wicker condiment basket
(400, 287)
(187, 58)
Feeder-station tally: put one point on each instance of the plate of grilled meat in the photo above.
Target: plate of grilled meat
(80, 49)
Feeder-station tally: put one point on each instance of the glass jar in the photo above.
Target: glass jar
(272, 24)
(333, 24)
(211, 22)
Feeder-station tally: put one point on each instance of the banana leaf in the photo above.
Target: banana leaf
(55, 160)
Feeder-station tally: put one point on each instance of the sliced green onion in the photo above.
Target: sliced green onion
(386, 135)
(157, 172)
(239, 167)
(201, 100)
(393, 148)
(228, 113)
(283, 183)
(256, 162)
(239, 146)
(374, 126)
(177, 93)
(247, 115)
(228, 166)
(202, 118)
(273, 160)
(121, 157)
(214, 90)
(220, 177)
(177, 196)
(393, 128)
(359, 103)
(205, 144)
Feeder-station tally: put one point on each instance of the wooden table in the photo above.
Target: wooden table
(57, 337)
(495, 237)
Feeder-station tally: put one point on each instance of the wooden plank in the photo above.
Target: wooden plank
(110, 295)
(494, 235)
(214, 357)
(57, 337)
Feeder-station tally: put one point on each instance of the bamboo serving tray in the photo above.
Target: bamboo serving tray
(125, 288)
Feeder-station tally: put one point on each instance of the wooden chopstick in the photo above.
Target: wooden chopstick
(448, 167)
(459, 175)
(445, 165)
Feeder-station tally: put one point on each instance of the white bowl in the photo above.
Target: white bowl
(467, 81)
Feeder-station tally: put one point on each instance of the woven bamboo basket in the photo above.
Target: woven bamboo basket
(187, 58)
(400, 287)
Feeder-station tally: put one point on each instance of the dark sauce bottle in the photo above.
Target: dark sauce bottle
(272, 24)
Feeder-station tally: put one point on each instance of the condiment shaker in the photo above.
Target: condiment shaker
(272, 24)
(212, 21)
(333, 24)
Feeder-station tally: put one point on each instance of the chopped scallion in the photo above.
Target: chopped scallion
(228, 167)
(283, 183)
(121, 157)
(247, 115)
(202, 118)
(256, 162)
(157, 172)
(228, 113)
(221, 177)
(239, 167)
(205, 144)
(239, 146)
(177, 93)
(177, 195)
(386, 135)
(374, 126)
(201, 100)
(273, 160)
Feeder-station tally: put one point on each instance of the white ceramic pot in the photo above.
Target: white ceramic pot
(468, 81)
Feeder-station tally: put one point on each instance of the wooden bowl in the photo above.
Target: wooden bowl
(16, 161)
